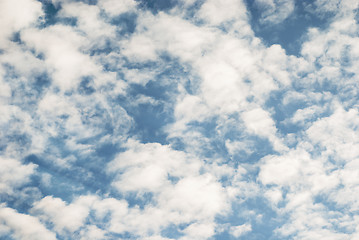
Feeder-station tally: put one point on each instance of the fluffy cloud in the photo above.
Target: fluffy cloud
(16, 16)
(240, 230)
(174, 120)
(217, 13)
(60, 46)
(180, 192)
(64, 217)
(22, 225)
(14, 174)
(114, 8)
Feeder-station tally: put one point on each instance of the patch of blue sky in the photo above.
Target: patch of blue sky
(81, 175)
(325, 201)
(107, 151)
(139, 200)
(102, 222)
(191, 10)
(173, 231)
(254, 149)
(157, 5)
(126, 24)
(69, 182)
(16, 38)
(148, 65)
(19, 138)
(150, 118)
(207, 127)
(282, 111)
(258, 213)
(191, 84)
(86, 86)
(125, 235)
(224, 235)
(50, 11)
(150, 121)
(258, 148)
(104, 49)
(291, 32)
(29, 89)
(89, 2)
(24, 198)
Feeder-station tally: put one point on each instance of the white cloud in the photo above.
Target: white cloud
(260, 123)
(23, 226)
(115, 8)
(303, 116)
(64, 217)
(93, 233)
(25, 63)
(191, 108)
(199, 231)
(201, 169)
(17, 15)
(147, 167)
(335, 134)
(274, 195)
(195, 198)
(336, 7)
(235, 147)
(13, 174)
(218, 12)
(297, 169)
(222, 86)
(283, 170)
(276, 63)
(240, 230)
(192, 197)
(163, 32)
(88, 21)
(140, 49)
(61, 47)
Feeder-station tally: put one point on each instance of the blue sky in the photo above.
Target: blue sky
(179, 119)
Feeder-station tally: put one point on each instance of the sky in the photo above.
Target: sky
(179, 119)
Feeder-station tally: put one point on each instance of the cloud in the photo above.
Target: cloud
(62, 216)
(335, 134)
(115, 8)
(153, 165)
(93, 233)
(88, 21)
(260, 123)
(125, 119)
(60, 46)
(240, 230)
(198, 197)
(199, 231)
(13, 174)
(16, 16)
(275, 11)
(191, 196)
(23, 226)
(217, 13)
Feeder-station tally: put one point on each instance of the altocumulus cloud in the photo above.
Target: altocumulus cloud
(183, 119)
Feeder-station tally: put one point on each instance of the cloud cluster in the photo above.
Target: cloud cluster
(142, 120)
